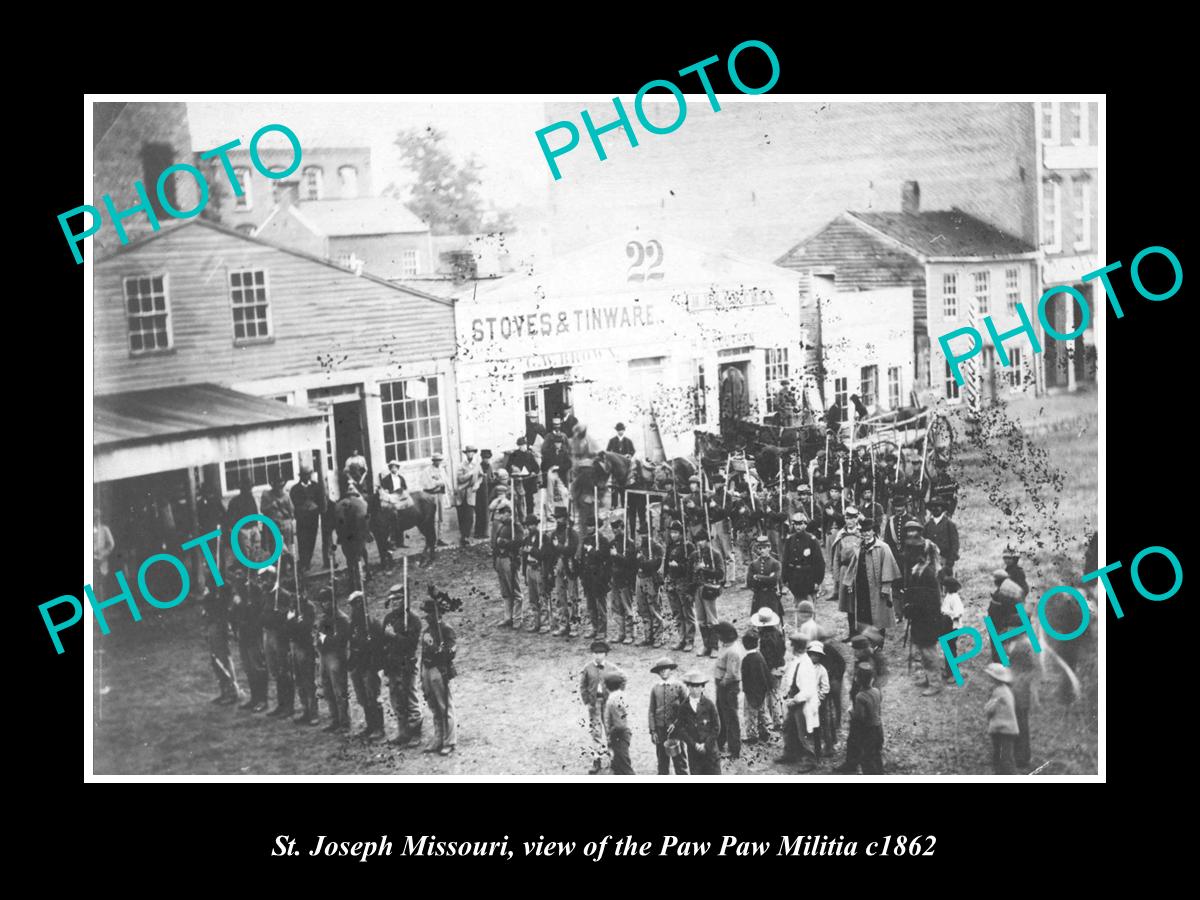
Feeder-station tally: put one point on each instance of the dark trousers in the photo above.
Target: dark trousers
(1003, 746)
(337, 693)
(366, 690)
(731, 723)
(1021, 752)
(864, 748)
(618, 743)
(279, 663)
(466, 521)
(703, 758)
(664, 758)
(222, 663)
(796, 743)
(306, 536)
(597, 604)
(481, 513)
(305, 659)
(403, 684)
(255, 665)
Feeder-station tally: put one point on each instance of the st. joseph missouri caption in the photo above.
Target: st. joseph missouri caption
(730, 845)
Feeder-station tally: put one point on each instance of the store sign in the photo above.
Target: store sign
(728, 299)
(558, 361)
(629, 316)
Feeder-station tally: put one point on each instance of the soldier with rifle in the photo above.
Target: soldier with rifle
(506, 550)
(802, 564)
(566, 572)
(333, 637)
(537, 568)
(279, 652)
(247, 622)
(301, 619)
(401, 652)
(707, 570)
(677, 575)
(648, 558)
(595, 574)
(216, 617)
(364, 661)
(438, 648)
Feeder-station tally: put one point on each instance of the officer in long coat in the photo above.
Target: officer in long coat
(868, 582)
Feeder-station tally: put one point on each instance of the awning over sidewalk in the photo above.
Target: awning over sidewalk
(141, 432)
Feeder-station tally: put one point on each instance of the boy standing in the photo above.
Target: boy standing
(864, 744)
(616, 722)
(757, 686)
(728, 676)
(593, 692)
(1001, 720)
(699, 723)
(666, 697)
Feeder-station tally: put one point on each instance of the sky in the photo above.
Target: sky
(499, 135)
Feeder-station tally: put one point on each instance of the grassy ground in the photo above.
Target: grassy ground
(516, 697)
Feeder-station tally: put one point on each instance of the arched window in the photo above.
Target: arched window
(314, 183)
(349, 176)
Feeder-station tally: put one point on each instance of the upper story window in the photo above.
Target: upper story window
(148, 313)
(246, 201)
(251, 307)
(775, 370)
(949, 295)
(408, 262)
(1073, 129)
(1081, 213)
(894, 386)
(841, 396)
(983, 291)
(314, 183)
(1051, 217)
(349, 176)
(1049, 122)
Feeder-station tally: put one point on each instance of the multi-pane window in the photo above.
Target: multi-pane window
(1016, 368)
(314, 183)
(1048, 121)
(868, 385)
(261, 470)
(775, 370)
(349, 176)
(408, 262)
(949, 295)
(246, 201)
(894, 387)
(841, 396)
(251, 308)
(412, 418)
(1081, 213)
(699, 395)
(983, 290)
(1072, 123)
(147, 313)
(1012, 289)
(533, 403)
(951, 384)
(1050, 215)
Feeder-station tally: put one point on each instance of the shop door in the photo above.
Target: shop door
(735, 392)
(350, 436)
(555, 399)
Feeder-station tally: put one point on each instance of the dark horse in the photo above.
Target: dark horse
(635, 474)
(421, 515)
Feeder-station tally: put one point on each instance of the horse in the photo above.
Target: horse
(422, 515)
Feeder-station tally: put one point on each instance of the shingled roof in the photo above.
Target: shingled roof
(944, 234)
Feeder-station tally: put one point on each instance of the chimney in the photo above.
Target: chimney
(910, 198)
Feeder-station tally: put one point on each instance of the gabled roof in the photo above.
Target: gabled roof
(171, 228)
(944, 234)
(363, 215)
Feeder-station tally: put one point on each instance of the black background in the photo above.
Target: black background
(172, 830)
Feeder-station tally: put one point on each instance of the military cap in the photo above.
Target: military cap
(851, 512)
(664, 662)
(936, 503)
(1010, 553)
(864, 668)
(324, 596)
(694, 478)
(357, 596)
(762, 541)
(600, 647)
(522, 440)
(560, 512)
(501, 488)
(700, 535)
(913, 525)
(804, 488)
(675, 525)
(395, 590)
(485, 453)
(616, 521)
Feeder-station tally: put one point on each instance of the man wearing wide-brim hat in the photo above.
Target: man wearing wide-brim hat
(666, 698)
(698, 725)
(435, 482)
(774, 651)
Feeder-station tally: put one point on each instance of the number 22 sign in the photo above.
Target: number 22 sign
(646, 258)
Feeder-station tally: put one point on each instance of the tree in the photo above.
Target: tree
(444, 193)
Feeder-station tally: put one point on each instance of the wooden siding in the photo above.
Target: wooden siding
(318, 313)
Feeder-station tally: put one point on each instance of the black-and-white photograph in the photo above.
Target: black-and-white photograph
(471, 437)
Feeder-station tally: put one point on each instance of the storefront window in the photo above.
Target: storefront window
(775, 370)
(260, 470)
(412, 418)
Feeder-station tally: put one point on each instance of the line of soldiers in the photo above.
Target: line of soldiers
(285, 638)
